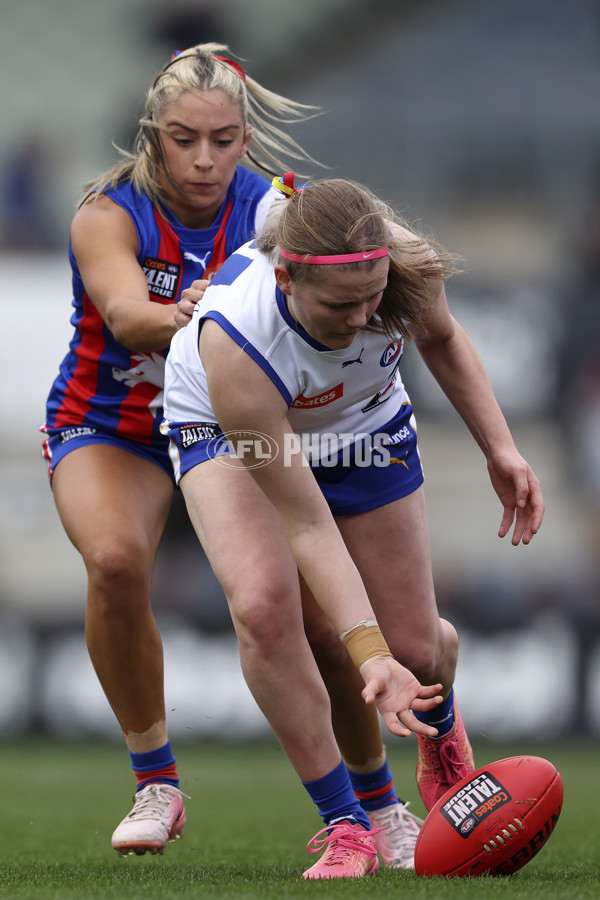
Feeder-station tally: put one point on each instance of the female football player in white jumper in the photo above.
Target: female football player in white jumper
(293, 438)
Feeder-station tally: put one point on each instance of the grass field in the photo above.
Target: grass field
(248, 824)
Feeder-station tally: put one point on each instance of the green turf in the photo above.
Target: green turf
(248, 823)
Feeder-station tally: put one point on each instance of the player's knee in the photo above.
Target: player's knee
(117, 570)
(432, 657)
(261, 620)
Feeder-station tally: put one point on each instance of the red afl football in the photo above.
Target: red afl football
(494, 821)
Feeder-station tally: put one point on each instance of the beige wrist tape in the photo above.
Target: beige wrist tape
(363, 642)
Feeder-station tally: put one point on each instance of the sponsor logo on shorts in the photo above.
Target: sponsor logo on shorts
(400, 436)
(335, 393)
(193, 434)
(474, 802)
(162, 277)
(81, 431)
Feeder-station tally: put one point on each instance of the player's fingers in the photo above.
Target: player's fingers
(372, 690)
(423, 704)
(404, 723)
(368, 694)
(524, 526)
(427, 691)
(409, 720)
(507, 519)
(521, 485)
(519, 529)
(394, 725)
(537, 507)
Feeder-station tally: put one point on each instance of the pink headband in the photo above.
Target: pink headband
(224, 59)
(285, 184)
(333, 260)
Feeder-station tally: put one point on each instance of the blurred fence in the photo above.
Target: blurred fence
(541, 680)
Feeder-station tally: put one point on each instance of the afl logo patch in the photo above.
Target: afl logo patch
(391, 354)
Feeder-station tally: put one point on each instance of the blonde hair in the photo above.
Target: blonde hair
(333, 217)
(198, 69)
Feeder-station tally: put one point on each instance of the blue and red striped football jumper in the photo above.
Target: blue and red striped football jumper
(103, 387)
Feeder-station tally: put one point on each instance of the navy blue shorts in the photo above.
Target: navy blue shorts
(374, 477)
(60, 441)
(378, 469)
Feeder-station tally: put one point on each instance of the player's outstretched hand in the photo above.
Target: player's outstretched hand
(189, 297)
(396, 692)
(521, 496)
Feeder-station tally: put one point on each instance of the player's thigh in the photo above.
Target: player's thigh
(241, 533)
(108, 496)
(390, 546)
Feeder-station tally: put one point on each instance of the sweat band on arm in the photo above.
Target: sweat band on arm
(365, 641)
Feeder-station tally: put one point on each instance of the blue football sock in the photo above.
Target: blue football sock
(155, 766)
(441, 717)
(334, 797)
(374, 789)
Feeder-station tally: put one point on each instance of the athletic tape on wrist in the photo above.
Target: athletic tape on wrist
(364, 642)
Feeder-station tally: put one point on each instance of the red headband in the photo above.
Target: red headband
(224, 59)
(233, 65)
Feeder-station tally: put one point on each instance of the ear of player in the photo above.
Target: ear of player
(493, 821)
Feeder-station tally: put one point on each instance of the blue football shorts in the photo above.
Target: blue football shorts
(60, 441)
(377, 469)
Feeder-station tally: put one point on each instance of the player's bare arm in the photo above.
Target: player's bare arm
(105, 245)
(455, 364)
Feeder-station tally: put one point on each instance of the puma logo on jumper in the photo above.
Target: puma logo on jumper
(357, 360)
